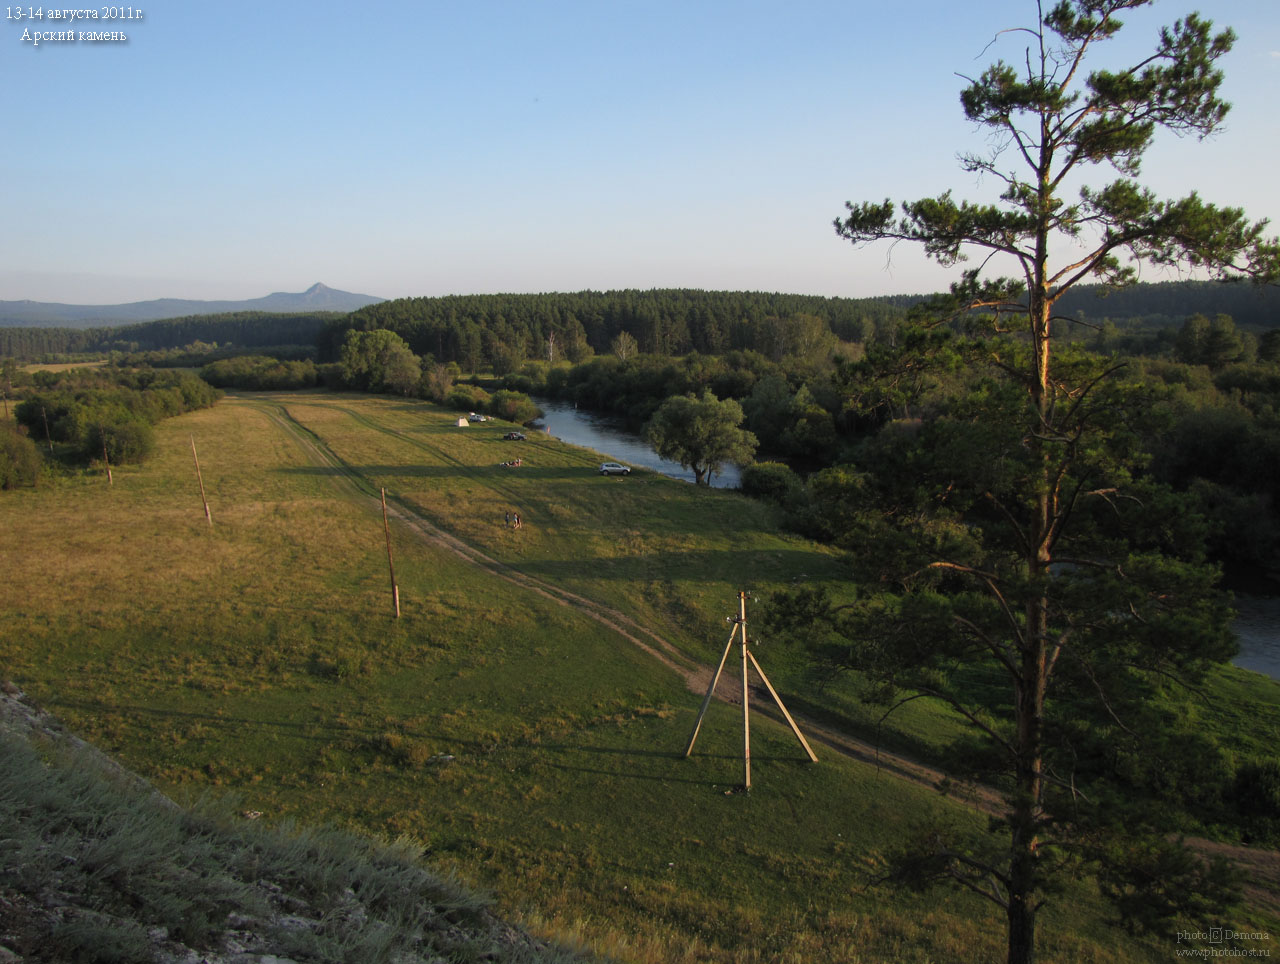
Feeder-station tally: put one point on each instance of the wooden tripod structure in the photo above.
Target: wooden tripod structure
(740, 630)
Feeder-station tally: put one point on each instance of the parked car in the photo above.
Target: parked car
(514, 436)
(613, 468)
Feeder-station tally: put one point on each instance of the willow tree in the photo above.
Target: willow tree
(1035, 542)
(702, 434)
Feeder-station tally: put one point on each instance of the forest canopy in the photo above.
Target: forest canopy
(245, 329)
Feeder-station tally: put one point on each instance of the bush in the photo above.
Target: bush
(127, 442)
(518, 383)
(467, 398)
(772, 482)
(513, 406)
(1257, 789)
(19, 461)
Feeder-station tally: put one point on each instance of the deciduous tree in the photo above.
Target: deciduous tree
(379, 361)
(623, 345)
(702, 434)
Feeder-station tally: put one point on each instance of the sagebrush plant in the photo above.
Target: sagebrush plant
(125, 861)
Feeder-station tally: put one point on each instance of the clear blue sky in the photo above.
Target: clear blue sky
(422, 148)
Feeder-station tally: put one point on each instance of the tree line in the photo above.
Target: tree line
(243, 329)
(504, 331)
(1170, 302)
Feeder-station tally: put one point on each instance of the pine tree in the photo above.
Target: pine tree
(1026, 551)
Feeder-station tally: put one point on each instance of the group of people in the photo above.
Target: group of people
(514, 463)
(513, 520)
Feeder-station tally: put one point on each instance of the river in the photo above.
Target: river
(1258, 623)
(1258, 628)
(609, 435)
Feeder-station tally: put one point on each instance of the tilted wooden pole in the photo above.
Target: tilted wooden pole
(105, 461)
(710, 690)
(778, 699)
(208, 517)
(386, 527)
(47, 437)
(748, 658)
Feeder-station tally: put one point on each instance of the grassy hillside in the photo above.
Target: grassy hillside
(99, 867)
(509, 721)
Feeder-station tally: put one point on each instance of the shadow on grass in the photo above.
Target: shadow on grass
(479, 473)
(696, 566)
(633, 763)
(315, 731)
(695, 766)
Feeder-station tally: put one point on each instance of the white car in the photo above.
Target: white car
(613, 468)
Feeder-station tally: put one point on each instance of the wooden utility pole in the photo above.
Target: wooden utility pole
(386, 527)
(740, 628)
(47, 437)
(200, 478)
(105, 461)
(746, 695)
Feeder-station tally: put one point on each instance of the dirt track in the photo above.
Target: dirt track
(696, 677)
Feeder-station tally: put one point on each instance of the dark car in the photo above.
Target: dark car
(514, 436)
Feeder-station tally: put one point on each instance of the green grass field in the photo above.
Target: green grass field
(530, 748)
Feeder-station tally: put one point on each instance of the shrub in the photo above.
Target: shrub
(467, 398)
(518, 383)
(771, 481)
(19, 461)
(1257, 789)
(127, 441)
(513, 406)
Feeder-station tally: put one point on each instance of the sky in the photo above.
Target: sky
(228, 150)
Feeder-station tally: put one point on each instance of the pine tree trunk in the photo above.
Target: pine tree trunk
(1025, 812)
(1022, 933)
(1032, 682)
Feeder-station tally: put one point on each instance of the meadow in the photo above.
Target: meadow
(508, 721)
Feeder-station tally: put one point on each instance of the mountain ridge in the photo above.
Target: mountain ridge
(41, 314)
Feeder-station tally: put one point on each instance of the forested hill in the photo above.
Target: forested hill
(1172, 302)
(244, 329)
(479, 329)
(482, 330)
